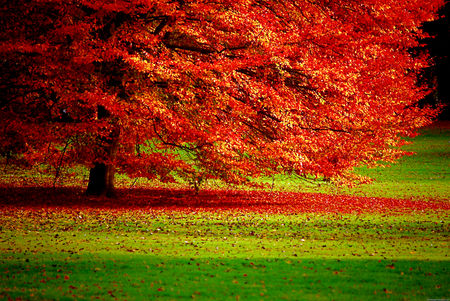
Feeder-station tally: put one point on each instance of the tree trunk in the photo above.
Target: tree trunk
(101, 181)
(101, 176)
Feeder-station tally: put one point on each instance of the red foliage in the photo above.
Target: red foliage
(243, 87)
(185, 201)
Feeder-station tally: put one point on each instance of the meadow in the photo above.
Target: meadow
(300, 241)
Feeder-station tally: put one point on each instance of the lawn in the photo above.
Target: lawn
(389, 239)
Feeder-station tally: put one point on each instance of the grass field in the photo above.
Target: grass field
(127, 254)
(165, 244)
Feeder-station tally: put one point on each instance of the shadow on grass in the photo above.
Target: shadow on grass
(212, 200)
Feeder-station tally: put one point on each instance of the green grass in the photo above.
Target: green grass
(141, 277)
(204, 256)
(413, 236)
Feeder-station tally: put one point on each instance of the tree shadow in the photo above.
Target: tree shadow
(132, 198)
(209, 200)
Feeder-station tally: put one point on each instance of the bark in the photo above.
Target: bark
(101, 176)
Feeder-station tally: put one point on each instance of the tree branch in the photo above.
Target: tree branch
(190, 149)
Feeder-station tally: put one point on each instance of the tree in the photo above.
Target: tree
(229, 89)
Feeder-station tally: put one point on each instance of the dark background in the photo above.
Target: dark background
(438, 46)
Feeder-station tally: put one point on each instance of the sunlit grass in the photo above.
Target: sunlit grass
(415, 236)
(133, 255)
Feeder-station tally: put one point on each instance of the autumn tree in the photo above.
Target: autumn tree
(230, 89)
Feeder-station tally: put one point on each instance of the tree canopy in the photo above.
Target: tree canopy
(230, 89)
